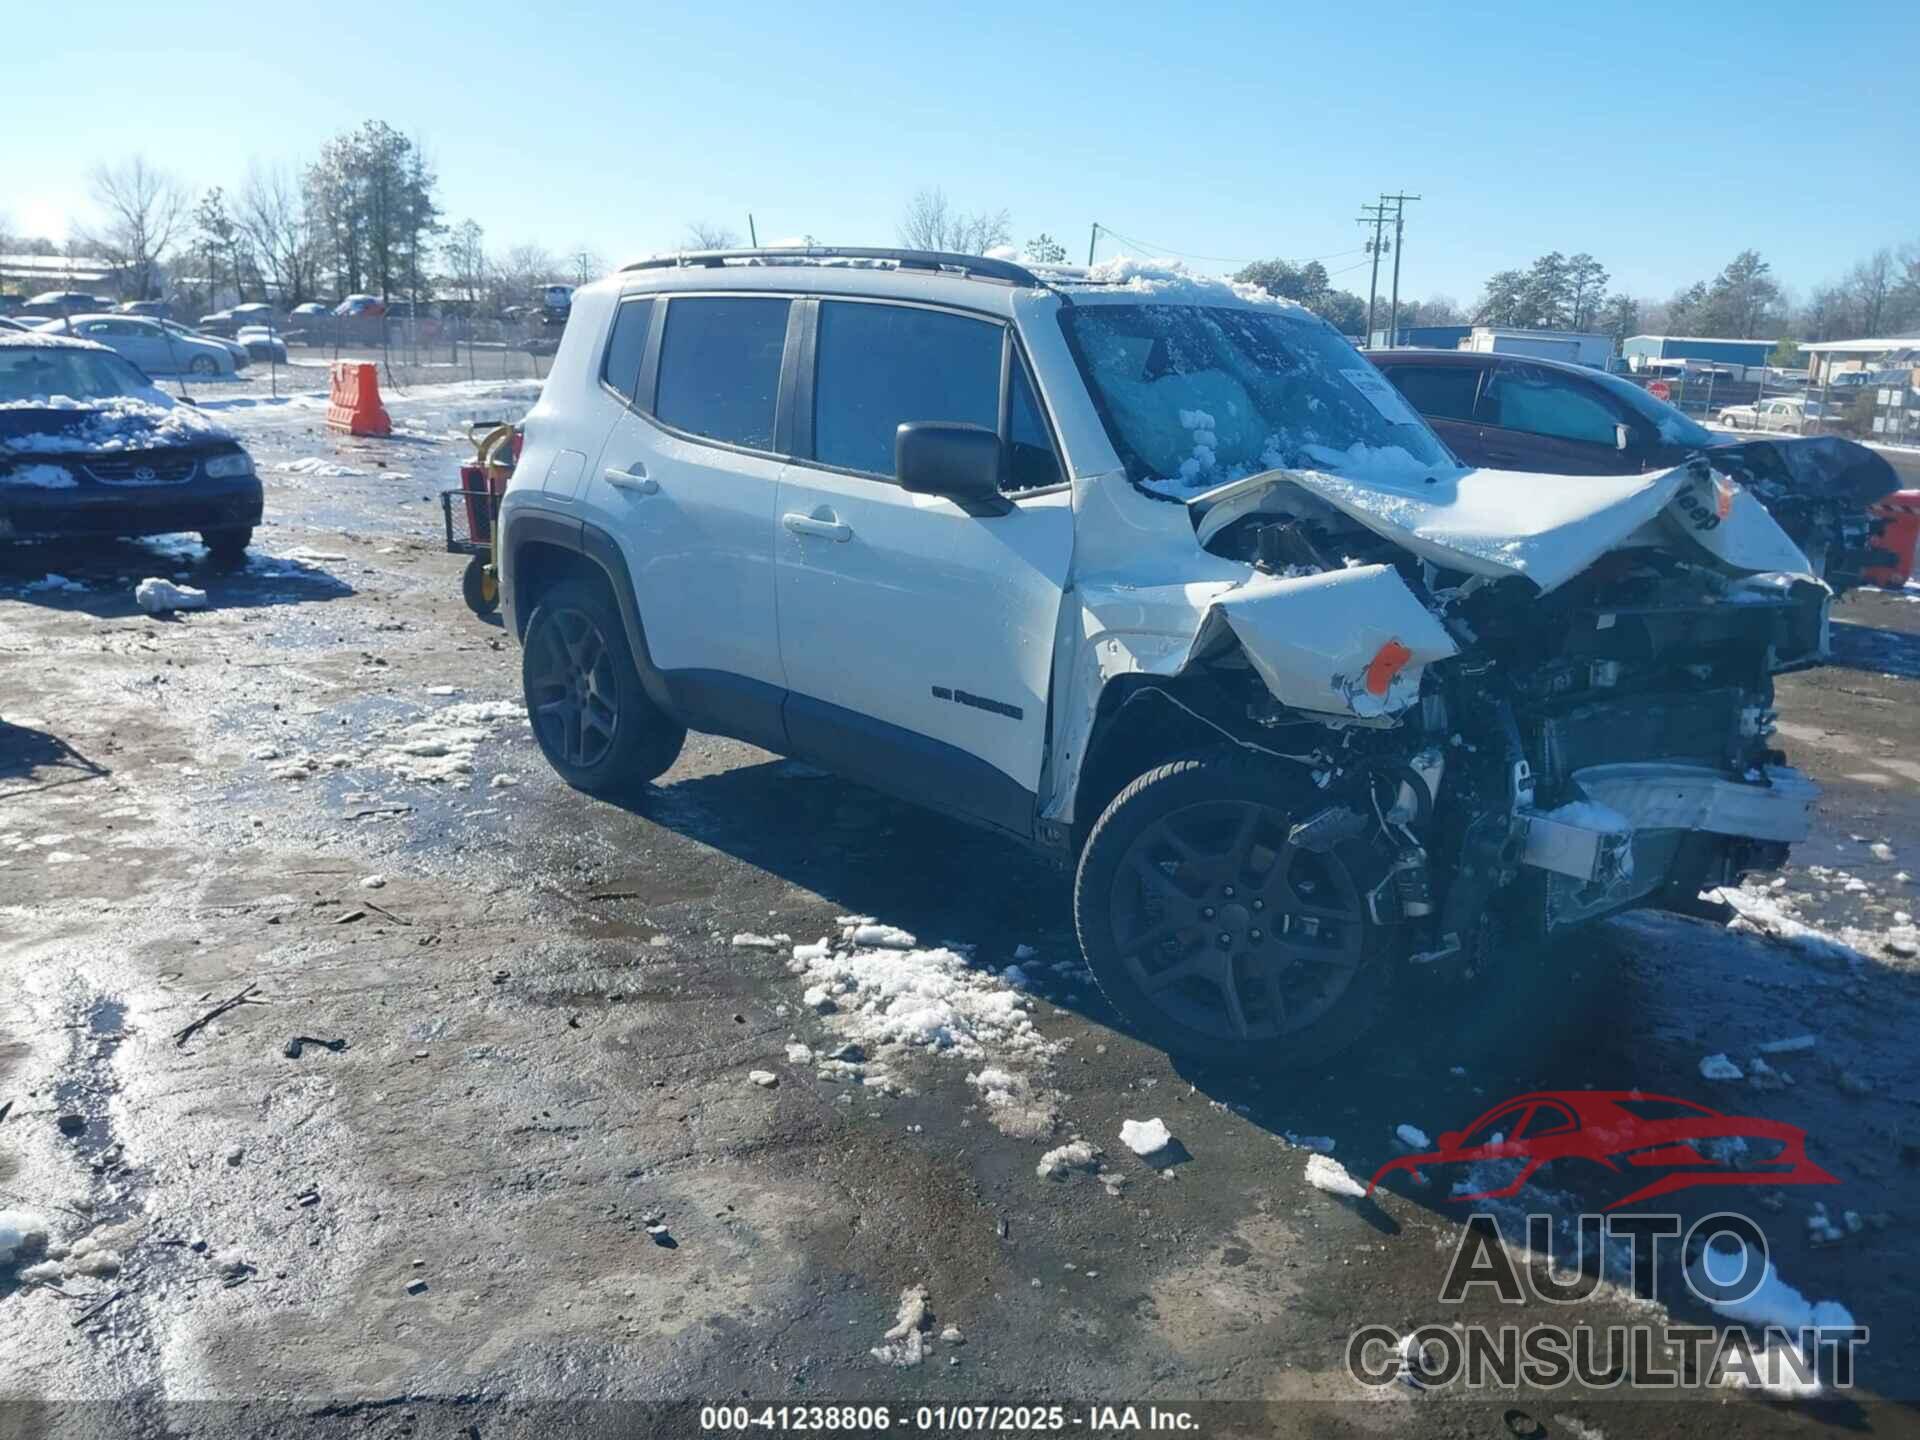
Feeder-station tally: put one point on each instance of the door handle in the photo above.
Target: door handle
(636, 480)
(813, 525)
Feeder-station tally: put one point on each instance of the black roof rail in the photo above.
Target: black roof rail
(980, 267)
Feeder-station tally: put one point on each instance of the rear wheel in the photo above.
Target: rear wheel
(1218, 935)
(228, 547)
(204, 365)
(591, 716)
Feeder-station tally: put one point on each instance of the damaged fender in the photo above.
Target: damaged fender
(1350, 642)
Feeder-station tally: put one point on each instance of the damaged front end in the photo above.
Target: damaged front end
(1536, 713)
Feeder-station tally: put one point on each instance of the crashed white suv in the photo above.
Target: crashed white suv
(1160, 576)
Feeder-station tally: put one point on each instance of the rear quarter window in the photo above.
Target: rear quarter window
(627, 347)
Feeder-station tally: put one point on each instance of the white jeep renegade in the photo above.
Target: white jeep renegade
(1158, 575)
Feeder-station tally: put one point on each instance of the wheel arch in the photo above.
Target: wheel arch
(1141, 721)
(542, 549)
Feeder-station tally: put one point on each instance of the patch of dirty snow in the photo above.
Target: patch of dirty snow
(1076, 1157)
(1413, 1137)
(906, 1343)
(1328, 1174)
(1759, 910)
(23, 1235)
(765, 1079)
(440, 745)
(1772, 1302)
(1719, 1067)
(161, 597)
(314, 465)
(53, 582)
(1014, 1104)
(1145, 1137)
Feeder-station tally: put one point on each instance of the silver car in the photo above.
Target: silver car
(155, 348)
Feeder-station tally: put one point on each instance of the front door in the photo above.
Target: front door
(686, 482)
(917, 638)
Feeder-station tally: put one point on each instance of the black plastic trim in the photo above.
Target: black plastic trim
(718, 702)
(972, 267)
(905, 763)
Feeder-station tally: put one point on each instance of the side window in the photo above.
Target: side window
(881, 366)
(1440, 392)
(720, 367)
(1031, 462)
(1539, 402)
(627, 346)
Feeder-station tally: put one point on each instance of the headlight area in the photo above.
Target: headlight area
(228, 467)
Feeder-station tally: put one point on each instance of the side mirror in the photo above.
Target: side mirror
(960, 462)
(1622, 437)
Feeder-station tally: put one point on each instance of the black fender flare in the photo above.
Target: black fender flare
(534, 525)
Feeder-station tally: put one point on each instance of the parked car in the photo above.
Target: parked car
(151, 346)
(261, 343)
(232, 347)
(1168, 583)
(369, 307)
(311, 310)
(1541, 415)
(65, 302)
(1780, 413)
(152, 309)
(7, 322)
(89, 446)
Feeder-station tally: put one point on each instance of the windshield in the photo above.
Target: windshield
(40, 372)
(1674, 427)
(1197, 395)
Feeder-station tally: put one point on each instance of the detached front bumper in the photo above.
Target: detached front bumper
(202, 503)
(1644, 828)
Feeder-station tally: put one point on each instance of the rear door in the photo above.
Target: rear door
(1536, 418)
(917, 638)
(686, 481)
(1444, 392)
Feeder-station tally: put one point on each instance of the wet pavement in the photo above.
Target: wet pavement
(518, 1159)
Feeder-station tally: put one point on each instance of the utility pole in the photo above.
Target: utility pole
(1092, 235)
(1376, 216)
(1399, 230)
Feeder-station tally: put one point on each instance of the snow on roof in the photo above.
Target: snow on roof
(1167, 282)
(22, 339)
(1862, 347)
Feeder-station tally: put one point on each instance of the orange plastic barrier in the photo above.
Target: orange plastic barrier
(1901, 511)
(354, 404)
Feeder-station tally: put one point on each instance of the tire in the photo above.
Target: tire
(592, 718)
(204, 365)
(479, 588)
(227, 548)
(1176, 897)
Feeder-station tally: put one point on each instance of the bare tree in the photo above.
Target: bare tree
(465, 256)
(931, 223)
(271, 209)
(705, 235)
(520, 271)
(586, 265)
(145, 211)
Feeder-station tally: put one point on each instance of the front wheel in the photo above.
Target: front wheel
(204, 365)
(1215, 932)
(590, 714)
(227, 548)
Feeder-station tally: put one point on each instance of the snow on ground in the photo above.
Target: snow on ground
(314, 465)
(436, 747)
(1763, 908)
(1145, 1137)
(1328, 1174)
(888, 997)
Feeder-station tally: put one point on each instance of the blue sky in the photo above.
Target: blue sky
(1661, 137)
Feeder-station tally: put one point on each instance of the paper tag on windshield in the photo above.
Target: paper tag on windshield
(1382, 396)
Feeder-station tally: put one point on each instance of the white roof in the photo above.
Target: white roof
(1862, 347)
(1708, 339)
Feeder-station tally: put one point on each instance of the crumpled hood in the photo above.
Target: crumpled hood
(59, 424)
(1550, 528)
